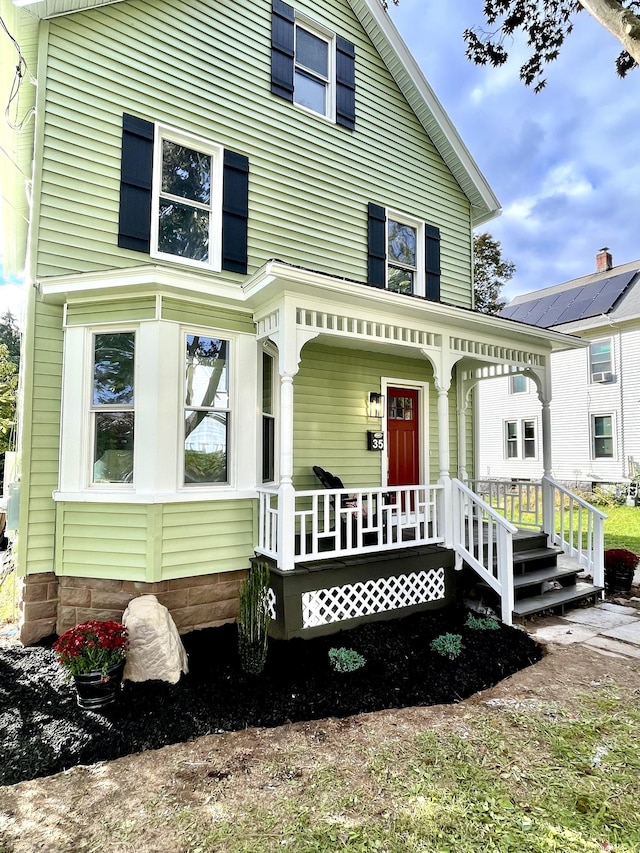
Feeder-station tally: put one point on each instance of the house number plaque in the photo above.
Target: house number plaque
(375, 440)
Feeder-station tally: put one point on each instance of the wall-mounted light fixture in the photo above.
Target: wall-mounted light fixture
(376, 405)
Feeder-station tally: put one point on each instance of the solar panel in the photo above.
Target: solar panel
(577, 303)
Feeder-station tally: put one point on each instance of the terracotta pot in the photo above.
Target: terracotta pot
(96, 691)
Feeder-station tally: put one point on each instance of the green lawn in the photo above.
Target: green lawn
(622, 528)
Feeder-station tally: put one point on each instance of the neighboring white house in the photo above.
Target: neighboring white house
(595, 405)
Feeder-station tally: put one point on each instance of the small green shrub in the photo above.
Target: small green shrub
(481, 623)
(345, 660)
(254, 619)
(448, 645)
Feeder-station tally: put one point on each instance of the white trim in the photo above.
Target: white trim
(141, 497)
(214, 208)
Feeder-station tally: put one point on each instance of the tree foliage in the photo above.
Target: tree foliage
(9, 365)
(546, 24)
(490, 272)
(10, 337)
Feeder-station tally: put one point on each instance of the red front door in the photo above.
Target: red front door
(403, 437)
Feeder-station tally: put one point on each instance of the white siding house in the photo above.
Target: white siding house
(595, 404)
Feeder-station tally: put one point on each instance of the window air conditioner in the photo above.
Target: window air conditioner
(606, 376)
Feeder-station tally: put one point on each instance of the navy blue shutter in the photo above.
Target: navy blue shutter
(282, 49)
(432, 239)
(377, 246)
(345, 83)
(235, 212)
(136, 176)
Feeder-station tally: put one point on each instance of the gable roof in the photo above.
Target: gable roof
(581, 302)
(405, 71)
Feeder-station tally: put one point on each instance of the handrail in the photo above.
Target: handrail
(519, 501)
(484, 540)
(576, 526)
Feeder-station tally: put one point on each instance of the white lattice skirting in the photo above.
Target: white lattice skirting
(323, 606)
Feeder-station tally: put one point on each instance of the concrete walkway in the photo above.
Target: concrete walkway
(611, 629)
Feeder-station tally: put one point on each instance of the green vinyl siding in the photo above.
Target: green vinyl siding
(41, 427)
(154, 542)
(310, 180)
(197, 314)
(121, 311)
(331, 423)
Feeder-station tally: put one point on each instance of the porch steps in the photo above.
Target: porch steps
(536, 565)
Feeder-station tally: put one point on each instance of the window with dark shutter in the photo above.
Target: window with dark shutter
(377, 246)
(134, 224)
(235, 212)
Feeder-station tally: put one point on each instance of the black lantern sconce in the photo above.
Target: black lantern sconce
(375, 408)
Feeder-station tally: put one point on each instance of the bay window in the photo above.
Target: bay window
(112, 407)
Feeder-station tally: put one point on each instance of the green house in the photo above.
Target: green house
(249, 256)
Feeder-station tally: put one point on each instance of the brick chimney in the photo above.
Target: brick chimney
(604, 260)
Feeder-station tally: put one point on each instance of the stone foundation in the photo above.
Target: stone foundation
(51, 604)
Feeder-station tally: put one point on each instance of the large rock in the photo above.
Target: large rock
(155, 647)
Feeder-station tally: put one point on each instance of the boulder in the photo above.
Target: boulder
(155, 648)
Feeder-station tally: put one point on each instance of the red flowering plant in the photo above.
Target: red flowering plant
(92, 647)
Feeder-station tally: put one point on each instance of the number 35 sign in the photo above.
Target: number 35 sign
(375, 440)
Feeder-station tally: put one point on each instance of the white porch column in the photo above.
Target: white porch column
(286, 492)
(547, 463)
(463, 405)
(444, 462)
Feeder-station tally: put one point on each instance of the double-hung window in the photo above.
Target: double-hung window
(528, 439)
(600, 361)
(187, 199)
(314, 60)
(511, 439)
(206, 410)
(112, 407)
(520, 440)
(404, 258)
(602, 436)
(518, 384)
(268, 418)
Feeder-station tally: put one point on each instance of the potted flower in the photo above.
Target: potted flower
(94, 654)
(619, 569)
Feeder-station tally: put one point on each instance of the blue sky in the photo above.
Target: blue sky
(564, 164)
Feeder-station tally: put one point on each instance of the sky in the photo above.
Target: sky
(564, 163)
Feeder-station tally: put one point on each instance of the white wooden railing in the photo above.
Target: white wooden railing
(483, 538)
(520, 502)
(330, 523)
(575, 526)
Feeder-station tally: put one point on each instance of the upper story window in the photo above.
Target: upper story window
(405, 266)
(313, 80)
(182, 198)
(518, 384)
(206, 410)
(187, 199)
(311, 66)
(600, 361)
(403, 253)
(112, 407)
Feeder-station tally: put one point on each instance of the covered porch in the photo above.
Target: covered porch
(306, 319)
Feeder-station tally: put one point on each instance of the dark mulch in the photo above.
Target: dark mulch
(42, 730)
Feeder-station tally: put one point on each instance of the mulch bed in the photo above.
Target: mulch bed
(43, 731)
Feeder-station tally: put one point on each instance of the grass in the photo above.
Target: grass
(622, 528)
(542, 780)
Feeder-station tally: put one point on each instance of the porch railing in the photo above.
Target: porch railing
(330, 523)
(520, 502)
(575, 526)
(483, 538)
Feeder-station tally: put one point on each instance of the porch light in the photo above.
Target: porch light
(376, 405)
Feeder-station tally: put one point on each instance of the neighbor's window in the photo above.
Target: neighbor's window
(602, 436)
(518, 384)
(528, 439)
(600, 366)
(268, 418)
(511, 439)
(187, 199)
(312, 78)
(112, 407)
(206, 412)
